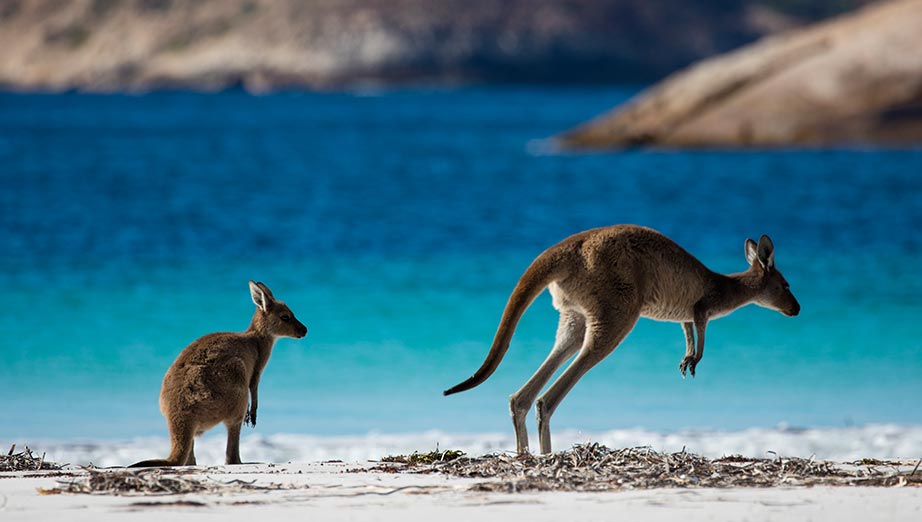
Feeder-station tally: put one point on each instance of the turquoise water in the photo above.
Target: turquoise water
(395, 224)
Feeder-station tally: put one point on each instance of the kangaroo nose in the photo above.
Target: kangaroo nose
(794, 309)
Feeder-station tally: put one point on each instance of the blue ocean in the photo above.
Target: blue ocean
(395, 223)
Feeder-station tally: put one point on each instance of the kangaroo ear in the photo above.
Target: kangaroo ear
(766, 252)
(266, 290)
(751, 251)
(260, 299)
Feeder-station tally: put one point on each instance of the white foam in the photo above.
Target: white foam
(837, 444)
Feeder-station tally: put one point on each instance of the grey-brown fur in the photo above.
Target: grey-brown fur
(601, 282)
(213, 379)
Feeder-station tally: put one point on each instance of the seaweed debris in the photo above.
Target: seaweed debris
(152, 482)
(431, 457)
(25, 461)
(593, 467)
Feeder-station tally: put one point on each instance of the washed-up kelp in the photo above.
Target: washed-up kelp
(593, 467)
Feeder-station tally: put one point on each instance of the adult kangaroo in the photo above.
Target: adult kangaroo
(601, 282)
(213, 377)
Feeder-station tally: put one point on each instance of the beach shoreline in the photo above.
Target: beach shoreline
(351, 491)
(841, 444)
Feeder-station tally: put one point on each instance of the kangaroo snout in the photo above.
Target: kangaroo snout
(296, 328)
(793, 310)
(302, 331)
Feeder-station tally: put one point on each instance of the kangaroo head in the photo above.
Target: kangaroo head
(274, 317)
(774, 290)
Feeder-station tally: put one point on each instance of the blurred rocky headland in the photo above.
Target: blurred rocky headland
(264, 45)
(855, 79)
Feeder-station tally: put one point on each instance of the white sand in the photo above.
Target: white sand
(326, 492)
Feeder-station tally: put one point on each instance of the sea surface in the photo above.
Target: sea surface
(395, 224)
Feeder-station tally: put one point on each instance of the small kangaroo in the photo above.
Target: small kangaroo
(210, 380)
(601, 282)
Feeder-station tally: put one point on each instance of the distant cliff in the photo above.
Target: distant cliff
(854, 79)
(108, 45)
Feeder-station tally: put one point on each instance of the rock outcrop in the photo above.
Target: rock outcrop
(117, 45)
(853, 79)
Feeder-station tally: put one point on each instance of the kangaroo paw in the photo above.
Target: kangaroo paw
(688, 363)
(250, 418)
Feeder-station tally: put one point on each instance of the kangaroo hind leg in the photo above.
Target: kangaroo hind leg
(602, 337)
(570, 332)
(182, 440)
(232, 454)
(191, 459)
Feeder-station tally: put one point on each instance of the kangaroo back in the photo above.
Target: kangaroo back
(535, 279)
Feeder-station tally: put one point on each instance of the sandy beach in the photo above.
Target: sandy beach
(352, 491)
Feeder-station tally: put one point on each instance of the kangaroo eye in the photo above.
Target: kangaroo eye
(285, 318)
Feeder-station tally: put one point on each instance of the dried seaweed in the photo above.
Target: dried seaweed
(431, 457)
(593, 467)
(150, 482)
(24, 461)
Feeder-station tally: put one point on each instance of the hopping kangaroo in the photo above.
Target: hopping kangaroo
(210, 380)
(602, 281)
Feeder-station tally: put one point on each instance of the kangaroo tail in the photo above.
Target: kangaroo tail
(156, 463)
(533, 282)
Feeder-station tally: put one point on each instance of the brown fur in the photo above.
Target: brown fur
(214, 377)
(602, 281)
